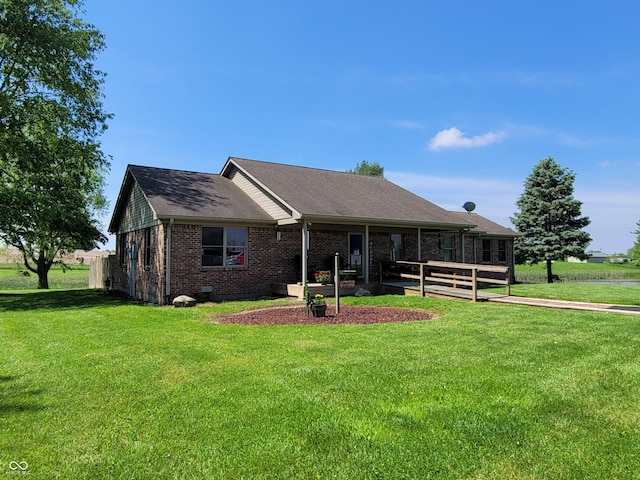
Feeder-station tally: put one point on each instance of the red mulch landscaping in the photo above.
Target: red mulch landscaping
(348, 314)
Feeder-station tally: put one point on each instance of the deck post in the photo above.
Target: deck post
(508, 287)
(474, 286)
(422, 279)
(336, 281)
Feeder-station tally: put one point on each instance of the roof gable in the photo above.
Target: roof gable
(182, 194)
(329, 194)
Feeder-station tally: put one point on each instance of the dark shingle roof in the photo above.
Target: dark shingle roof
(485, 226)
(327, 193)
(183, 194)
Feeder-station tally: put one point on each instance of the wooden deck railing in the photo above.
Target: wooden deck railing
(451, 274)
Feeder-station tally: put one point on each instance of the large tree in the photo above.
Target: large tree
(373, 169)
(51, 116)
(550, 219)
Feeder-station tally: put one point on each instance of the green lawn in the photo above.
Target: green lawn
(581, 292)
(93, 387)
(578, 271)
(12, 278)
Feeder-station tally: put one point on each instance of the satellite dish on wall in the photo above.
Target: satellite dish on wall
(469, 206)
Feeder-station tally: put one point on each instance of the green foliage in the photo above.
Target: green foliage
(373, 169)
(51, 165)
(550, 218)
(95, 388)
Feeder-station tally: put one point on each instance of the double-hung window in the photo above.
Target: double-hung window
(486, 250)
(123, 248)
(502, 250)
(147, 247)
(224, 246)
(449, 248)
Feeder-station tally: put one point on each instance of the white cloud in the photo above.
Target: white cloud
(454, 138)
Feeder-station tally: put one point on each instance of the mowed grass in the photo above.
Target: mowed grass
(577, 272)
(93, 387)
(12, 278)
(581, 292)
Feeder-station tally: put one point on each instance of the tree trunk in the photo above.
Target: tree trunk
(43, 279)
(43, 272)
(549, 272)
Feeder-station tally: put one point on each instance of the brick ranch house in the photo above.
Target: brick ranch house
(256, 224)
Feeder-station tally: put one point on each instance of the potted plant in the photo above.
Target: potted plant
(318, 306)
(322, 277)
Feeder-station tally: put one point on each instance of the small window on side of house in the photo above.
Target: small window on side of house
(123, 249)
(486, 250)
(502, 250)
(449, 248)
(147, 247)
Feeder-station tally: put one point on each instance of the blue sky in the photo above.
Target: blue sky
(456, 100)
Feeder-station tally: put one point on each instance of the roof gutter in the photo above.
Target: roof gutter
(337, 219)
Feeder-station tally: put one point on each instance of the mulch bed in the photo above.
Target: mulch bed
(349, 314)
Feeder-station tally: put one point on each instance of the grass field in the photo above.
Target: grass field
(11, 277)
(93, 387)
(578, 271)
(78, 276)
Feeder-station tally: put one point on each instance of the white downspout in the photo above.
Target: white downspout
(305, 248)
(167, 280)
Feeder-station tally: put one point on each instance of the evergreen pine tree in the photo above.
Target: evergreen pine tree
(549, 219)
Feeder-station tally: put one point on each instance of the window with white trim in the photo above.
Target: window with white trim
(224, 246)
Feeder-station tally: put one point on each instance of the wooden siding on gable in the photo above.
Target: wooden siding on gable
(272, 206)
(138, 213)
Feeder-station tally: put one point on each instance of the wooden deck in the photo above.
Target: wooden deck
(413, 288)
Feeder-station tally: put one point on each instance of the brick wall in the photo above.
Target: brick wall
(268, 261)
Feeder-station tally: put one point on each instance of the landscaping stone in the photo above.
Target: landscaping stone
(363, 292)
(184, 301)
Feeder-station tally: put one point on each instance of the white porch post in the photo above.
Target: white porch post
(365, 265)
(305, 249)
